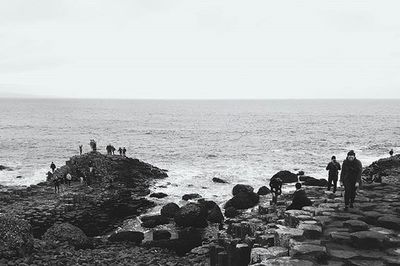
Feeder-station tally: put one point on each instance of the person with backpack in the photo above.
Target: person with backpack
(333, 168)
(350, 177)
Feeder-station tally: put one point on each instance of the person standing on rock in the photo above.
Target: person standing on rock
(349, 177)
(391, 152)
(333, 168)
(56, 182)
(52, 167)
(276, 189)
(120, 151)
(124, 151)
(80, 149)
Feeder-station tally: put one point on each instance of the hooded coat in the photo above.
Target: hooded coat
(351, 171)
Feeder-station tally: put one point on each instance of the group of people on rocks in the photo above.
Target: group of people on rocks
(109, 148)
(350, 179)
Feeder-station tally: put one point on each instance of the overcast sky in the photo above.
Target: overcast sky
(200, 49)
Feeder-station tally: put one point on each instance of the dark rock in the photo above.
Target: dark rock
(169, 210)
(355, 225)
(311, 181)
(191, 196)
(215, 215)
(127, 236)
(219, 180)
(2, 167)
(243, 200)
(158, 195)
(368, 239)
(192, 214)
(161, 234)
(231, 212)
(241, 188)
(151, 221)
(263, 191)
(15, 237)
(389, 221)
(286, 176)
(65, 232)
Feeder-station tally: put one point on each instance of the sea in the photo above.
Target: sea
(240, 141)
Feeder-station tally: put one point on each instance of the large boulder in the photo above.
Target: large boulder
(192, 214)
(65, 232)
(286, 176)
(231, 212)
(15, 237)
(243, 200)
(263, 191)
(151, 221)
(241, 188)
(311, 181)
(127, 236)
(214, 213)
(169, 210)
(161, 234)
(191, 196)
(158, 195)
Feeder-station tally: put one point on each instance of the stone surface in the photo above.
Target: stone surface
(367, 239)
(127, 236)
(389, 221)
(169, 210)
(158, 195)
(284, 234)
(15, 237)
(66, 232)
(355, 225)
(161, 234)
(192, 214)
(286, 176)
(310, 231)
(243, 200)
(191, 196)
(219, 180)
(309, 251)
(151, 221)
(263, 191)
(242, 188)
(260, 254)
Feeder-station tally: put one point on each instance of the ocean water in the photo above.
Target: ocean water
(241, 141)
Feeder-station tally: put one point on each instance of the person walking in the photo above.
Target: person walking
(124, 151)
(333, 168)
(56, 182)
(52, 167)
(80, 149)
(349, 177)
(69, 179)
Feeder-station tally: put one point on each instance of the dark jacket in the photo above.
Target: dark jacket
(333, 168)
(351, 171)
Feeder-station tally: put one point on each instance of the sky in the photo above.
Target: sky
(184, 49)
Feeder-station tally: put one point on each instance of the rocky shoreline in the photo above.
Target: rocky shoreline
(74, 227)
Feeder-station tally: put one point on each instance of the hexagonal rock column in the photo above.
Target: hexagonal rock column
(368, 239)
(284, 234)
(260, 254)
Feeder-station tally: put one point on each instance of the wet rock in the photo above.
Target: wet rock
(3, 167)
(316, 182)
(127, 236)
(286, 176)
(287, 261)
(361, 262)
(389, 221)
(158, 195)
(192, 214)
(263, 191)
(65, 232)
(161, 234)
(242, 188)
(15, 237)
(219, 180)
(309, 251)
(260, 254)
(169, 210)
(311, 231)
(368, 239)
(293, 217)
(243, 200)
(355, 225)
(231, 212)
(342, 254)
(151, 221)
(215, 215)
(191, 196)
(284, 234)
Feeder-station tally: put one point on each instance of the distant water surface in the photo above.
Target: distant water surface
(243, 141)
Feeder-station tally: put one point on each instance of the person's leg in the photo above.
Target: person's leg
(329, 183)
(352, 194)
(346, 195)
(334, 185)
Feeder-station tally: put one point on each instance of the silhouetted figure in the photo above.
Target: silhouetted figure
(52, 167)
(93, 145)
(56, 182)
(108, 149)
(112, 150)
(299, 199)
(350, 175)
(333, 168)
(124, 151)
(276, 189)
(80, 149)
(391, 152)
(68, 179)
(120, 151)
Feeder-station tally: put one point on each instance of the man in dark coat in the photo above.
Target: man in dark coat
(350, 175)
(276, 189)
(333, 168)
(300, 199)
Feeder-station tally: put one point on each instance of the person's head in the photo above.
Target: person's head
(298, 185)
(333, 158)
(351, 155)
